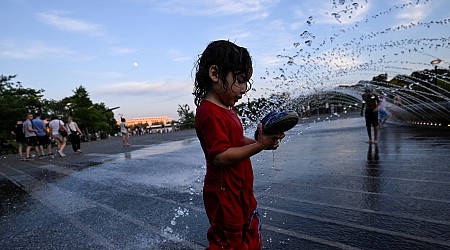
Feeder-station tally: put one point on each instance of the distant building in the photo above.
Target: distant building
(150, 120)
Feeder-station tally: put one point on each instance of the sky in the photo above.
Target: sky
(140, 54)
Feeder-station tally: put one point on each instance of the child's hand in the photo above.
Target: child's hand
(270, 142)
(275, 145)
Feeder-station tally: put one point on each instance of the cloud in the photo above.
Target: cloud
(112, 74)
(267, 61)
(59, 21)
(157, 89)
(177, 56)
(116, 51)
(218, 7)
(414, 13)
(323, 12)
(33, 50)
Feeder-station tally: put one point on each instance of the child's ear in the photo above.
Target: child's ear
(214, 73)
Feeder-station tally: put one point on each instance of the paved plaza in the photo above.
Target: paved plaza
(324, 188)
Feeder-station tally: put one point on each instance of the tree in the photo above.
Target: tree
(91, 117)
(15, 102)
(380, 78)
(186, 116)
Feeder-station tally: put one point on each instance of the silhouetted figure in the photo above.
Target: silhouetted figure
(371, 103)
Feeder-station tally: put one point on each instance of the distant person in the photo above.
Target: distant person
(55, 124)
(42, 136)
(20, 137)
(398, 100)
(74, 135)
(383, 113)
(371, 103)
(222, 78)
(30, 137)
(125, 133)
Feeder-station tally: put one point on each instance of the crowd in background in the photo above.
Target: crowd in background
(35, 133)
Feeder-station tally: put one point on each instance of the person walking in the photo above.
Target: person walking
(125, 133)
(371, 103)
(42, 135)
(30, 137)
(222, 77)
(74, 135)
(55, 125)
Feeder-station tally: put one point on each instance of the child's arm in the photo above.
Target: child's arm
(232, 156)
(249, 140)
(362, 108)
(78, 129)
(378, 103)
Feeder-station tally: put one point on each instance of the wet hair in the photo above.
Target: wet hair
(228, 57)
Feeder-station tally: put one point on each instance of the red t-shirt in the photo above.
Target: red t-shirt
(228, 191)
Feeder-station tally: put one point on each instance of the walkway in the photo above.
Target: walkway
(324, 188)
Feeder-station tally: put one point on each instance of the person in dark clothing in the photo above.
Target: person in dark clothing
(74, 135)
(371, 103)
(20, 137)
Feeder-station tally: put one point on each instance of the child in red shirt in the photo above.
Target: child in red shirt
(222, 77)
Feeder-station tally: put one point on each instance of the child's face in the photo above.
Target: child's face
(235, 89)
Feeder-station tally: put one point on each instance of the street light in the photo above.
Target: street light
(435, 62)
(69, 107)
(248, 97)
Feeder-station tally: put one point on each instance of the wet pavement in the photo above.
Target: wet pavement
(324, 188)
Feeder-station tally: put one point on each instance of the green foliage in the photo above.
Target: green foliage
(423, 86)
(380, 78)
(185, 114)
(16, 101)
(90, 117)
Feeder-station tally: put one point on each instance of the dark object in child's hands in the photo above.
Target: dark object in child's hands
(278, 122)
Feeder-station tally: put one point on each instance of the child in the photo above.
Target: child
(383, 113)
(222, 77)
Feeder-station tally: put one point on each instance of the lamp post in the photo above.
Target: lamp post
(250, 112)
(69, 107)
(435, 62)
(248, 97)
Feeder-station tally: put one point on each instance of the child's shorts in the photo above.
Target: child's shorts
(247, 238)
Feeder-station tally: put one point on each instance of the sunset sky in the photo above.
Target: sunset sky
(140, 54)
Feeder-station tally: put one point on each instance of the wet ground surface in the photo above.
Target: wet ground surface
(324, 188)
